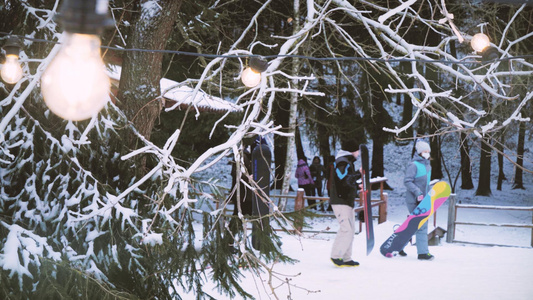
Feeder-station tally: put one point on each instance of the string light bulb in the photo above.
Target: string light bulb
(75, 85)
(251, 76)
(11, 70)
(479, 42)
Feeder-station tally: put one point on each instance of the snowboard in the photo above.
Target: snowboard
(366, 197)
(438, 194)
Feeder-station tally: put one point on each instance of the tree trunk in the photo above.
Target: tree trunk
(293, 112)
(483, 187)
(407, 112)
(139, 87)
(376, 117)
(436, 154)
(322, 131)
(501, 174)
(378, 170)
(518, 180)
(300, 153)
(281, 116)
(466, 169)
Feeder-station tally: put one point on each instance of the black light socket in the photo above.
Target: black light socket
(85, 16)
(12, 46)
(257, 64)
(490, 54)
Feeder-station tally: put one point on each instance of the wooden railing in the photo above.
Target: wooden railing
(452, 218)
(382, 202)
(299, 202)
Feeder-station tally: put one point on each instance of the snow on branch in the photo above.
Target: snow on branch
(396, 10)
(22, 243)
(484, 78)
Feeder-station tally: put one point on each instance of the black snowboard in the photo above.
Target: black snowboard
(367, 202)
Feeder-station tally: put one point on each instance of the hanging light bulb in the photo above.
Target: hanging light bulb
(11, 70)
(251, 76)
(479, 42)
(75, 85)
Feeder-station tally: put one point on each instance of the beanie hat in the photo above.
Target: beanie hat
(422, 146)
(350, 146)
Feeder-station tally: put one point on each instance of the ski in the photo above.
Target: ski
(438, 194)
(366, 197)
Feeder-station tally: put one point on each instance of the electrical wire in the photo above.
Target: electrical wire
(343, 58)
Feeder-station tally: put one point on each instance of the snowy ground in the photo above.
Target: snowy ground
(460, 271)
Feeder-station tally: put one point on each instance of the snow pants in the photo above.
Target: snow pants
(342, 246)
(309, 190)
(421, 234)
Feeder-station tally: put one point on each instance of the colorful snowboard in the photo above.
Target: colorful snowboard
(431, 202)
(367, 202)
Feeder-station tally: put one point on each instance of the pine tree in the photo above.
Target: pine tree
(86, 212)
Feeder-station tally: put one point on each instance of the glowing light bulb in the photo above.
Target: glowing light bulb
(11, 70)
(479, 42)
(250, 78)
(75, 86)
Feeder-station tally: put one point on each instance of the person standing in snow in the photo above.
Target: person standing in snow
(305, 180)
(344, 189)
(242, 198)
(317, 172)
(416, 181)
(245, 194)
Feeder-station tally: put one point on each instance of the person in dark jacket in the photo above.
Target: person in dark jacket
(344, 189)
(416, 181)
(241, 197)
(317, 173)
(244, 194)
(305, 180)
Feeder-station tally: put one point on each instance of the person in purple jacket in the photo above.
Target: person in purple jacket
(305, 181)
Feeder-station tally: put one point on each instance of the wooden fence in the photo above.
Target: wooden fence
(381, 203)
(452, 218)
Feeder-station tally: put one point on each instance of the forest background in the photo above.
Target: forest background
(107, 205)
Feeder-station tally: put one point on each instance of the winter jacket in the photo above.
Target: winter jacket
(303, 174)
(317, 171)
(245, 193)
(344, 185)
(416, 180)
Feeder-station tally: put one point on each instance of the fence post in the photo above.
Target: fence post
(383, 208)
(450, 236)
(532, 231)
(299, 205)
